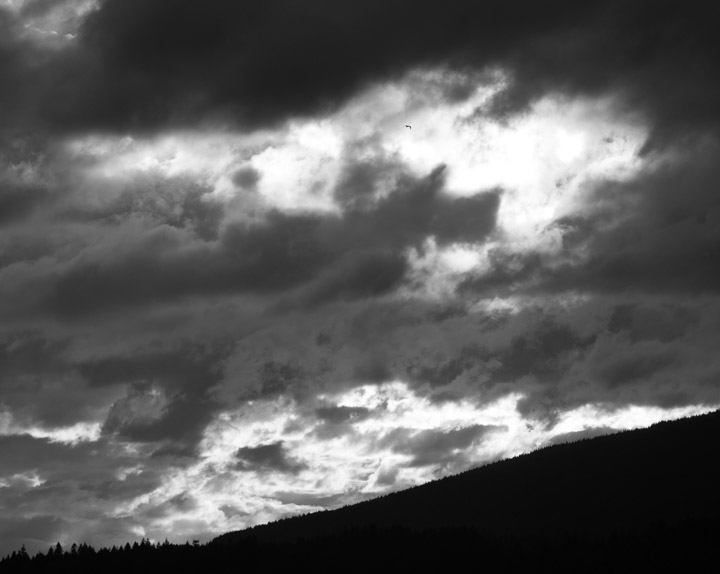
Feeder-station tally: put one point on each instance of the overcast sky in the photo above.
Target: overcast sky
(234, 286)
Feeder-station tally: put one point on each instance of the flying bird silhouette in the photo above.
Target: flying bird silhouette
(407, 126)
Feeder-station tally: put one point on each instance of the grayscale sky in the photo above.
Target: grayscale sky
(234, 286)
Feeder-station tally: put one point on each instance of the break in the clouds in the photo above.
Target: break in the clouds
(234, 286)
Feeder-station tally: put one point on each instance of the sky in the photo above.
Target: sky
(235, 286)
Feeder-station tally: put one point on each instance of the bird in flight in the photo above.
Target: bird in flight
(407, 126)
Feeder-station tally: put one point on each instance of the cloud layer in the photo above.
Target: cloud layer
(234, 286)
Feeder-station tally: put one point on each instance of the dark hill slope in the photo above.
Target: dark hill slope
(627, 482)
(645, 500)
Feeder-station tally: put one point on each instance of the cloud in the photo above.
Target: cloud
(17, 203)
(39, 383)
(267, 458)
(654, 233)
(358, 254)
(341, 414)
(224, 260)
(621, 363)
(310, 499)
(624, 363)
(146, 65)
(133, 484)
(178, 504)
(580, 435)
(661, 232)
(337, 421)
(59, 483)
(37, 532)
(246, 178)
(23, 453)
(431, 447)
(157, 200)
(167, 398)
(230, 511)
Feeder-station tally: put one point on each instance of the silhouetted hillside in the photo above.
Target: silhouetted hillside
(644, 499)
(625, 481)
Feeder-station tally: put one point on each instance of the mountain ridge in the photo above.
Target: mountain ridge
(645, 499)
(568, 487)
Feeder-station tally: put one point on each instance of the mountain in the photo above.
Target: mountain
(661, 475)
(644, 499)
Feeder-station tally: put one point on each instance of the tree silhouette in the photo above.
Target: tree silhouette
(646, 482)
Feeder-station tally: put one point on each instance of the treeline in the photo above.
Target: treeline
(84, 557)
(667, 473)
(645, 499)
(681, 547)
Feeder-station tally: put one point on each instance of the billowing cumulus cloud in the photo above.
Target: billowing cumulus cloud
(234, 286)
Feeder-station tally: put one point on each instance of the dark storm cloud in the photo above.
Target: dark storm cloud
(37, 384)
(17, 203)
(671, 241)
(621, 361)
(230, 511)
(430, 447)
(54, 491)
(356, 255)
(136, 418)
(156, 200)
(29, 352)
(11, 59)
(167, 394)
(112, 489)
(557, 353)
(246, 178)
(24, 453)
(508, 271)
(25, 162)
(272, 457)
(638, 363)
(658, 233)
(532, 345)
(542, 353)
(440, 372)
(559, 356)
(178, 504)
(278, 377)
(342, 414)
(359, 275)
(337, 421)
(42, 384)
(53, 476)
(39, 7)
(68, 11)
(144, 64)
(86, 469)
(358, 183)
(661, 322)
(40, 531)
(187, 366)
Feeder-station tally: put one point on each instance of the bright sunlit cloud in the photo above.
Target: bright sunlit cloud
(344, 462)
(71, 434)
(544, 160)
(570, 146)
